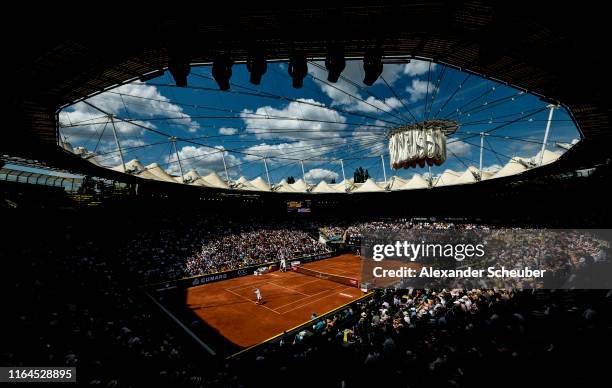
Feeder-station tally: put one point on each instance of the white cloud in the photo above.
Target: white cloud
(370, 143)
(94, 126)
(227, 131)
(417, 67)
(288, 128)
(372, 104)
(318, 174)
(341, 92)
(154, 104)
(418, 89)
(523, 149)
(458, 147)
(204, 160)
(142, 101)
(108, 155)
(391, 73)
(110, 160)
(301, 150)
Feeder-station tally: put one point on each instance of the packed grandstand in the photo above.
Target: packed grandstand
(97, 319)
(202, 246)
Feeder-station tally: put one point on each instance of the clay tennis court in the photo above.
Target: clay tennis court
(289, 300)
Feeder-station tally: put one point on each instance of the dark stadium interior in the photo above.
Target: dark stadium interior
(74, 263)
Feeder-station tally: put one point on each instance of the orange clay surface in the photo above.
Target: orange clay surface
(289, 300)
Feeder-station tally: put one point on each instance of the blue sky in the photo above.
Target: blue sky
(318, 124)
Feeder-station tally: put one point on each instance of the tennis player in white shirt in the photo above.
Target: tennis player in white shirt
(258, 295)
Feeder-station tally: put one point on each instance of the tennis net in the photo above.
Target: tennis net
(327, 276)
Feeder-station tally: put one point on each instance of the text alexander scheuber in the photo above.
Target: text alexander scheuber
(412, 252)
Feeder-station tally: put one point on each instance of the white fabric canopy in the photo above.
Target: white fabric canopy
(416, 182)
(368, 186)
(300, 186)
(324, 187)
(488, 174)
(80, 151)
(515, 166)
(192, 176)
(549, 157)
(160, 173)
(260, 184)
(343, 185)
(284, 187)
(133, 166)
(448, 177)
(200, 182)
(468, 176)
(396, 182)
(215, 181)
(136, 168)
(243, 184)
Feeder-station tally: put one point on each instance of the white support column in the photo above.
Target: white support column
(430, 176)
(343, 176)
(225, 166)
(117, 142)
(267, 173)
(173, 140)
(382, 158)
(303, 173)
(482, 135)
(550, 116)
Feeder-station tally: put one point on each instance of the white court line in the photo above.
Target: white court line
(327, 268)
(312, 281)
(343, 270)
(347, 295)
(178, 322)
(316, 300)
(309, 296)
(255, 283)
(263, 282)
(287, 288)
(252, 301)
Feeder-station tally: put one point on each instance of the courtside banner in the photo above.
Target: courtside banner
(488, 258)
(199, 280)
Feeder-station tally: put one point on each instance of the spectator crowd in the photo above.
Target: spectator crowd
(73, 299)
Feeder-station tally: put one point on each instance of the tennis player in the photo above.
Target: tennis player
(283, 265)
(258, 294)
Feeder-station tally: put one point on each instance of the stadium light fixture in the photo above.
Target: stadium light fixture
(179, 67)
(222, 71)
(256, 65)
(372, 66)
(335, 64)
(298, 68)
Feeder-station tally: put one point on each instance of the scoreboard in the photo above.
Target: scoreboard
(299, 206)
